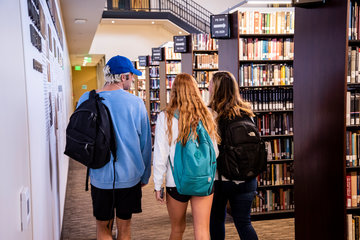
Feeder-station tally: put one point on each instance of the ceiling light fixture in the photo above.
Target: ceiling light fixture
(180, 32)
(80, 20)
(112, 21)
(152, 22)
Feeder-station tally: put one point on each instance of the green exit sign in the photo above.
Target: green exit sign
(77, 68)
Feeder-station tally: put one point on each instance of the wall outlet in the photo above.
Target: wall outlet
(25, 208)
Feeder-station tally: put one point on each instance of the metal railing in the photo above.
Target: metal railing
(187, 10)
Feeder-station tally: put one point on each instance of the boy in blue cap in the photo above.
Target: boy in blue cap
(133, 147)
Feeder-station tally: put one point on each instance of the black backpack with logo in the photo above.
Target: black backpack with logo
(89, 134)
(242, 154)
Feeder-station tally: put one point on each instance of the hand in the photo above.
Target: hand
(158, 198)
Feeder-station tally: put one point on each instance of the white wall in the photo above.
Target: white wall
(31, 150)
(14, 147)
(128, 40)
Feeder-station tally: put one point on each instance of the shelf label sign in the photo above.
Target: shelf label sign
(143, 61)
(157, 54)
(180, 44)
(220, 26)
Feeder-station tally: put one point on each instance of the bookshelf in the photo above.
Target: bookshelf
(154, 93)
(201, 61)
(260, 54)
(352, 122)
(170, 68)
(319, 120)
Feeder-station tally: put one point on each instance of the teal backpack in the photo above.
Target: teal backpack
(194, 164)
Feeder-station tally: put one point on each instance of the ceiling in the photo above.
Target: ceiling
(166, 24)
(80, 35)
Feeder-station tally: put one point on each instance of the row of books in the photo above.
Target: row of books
(353, 74)
(354, 28)
(206, 61)
(142, 95)
(276, 174)
(173, 67)
(266, 49)
(352, 189)
(281, 148)
(170, 54)
(269, 99)
(255, 22)
(352, 108)
(353, 227)
(169, 80)
(203, 78)
(266, 75)
(271, 200)
(141, 84)
(274, 124)
(154, 72)
(352, 148)
(204, 94)
(155, 107)
(154, 83)
(203, 42)
(154, 95)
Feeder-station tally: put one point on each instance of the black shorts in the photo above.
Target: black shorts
(180, 197)
(172, 191)
(126, 202)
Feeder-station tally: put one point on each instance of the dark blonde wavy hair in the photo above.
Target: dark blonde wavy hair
(225, 97)
(186, 98)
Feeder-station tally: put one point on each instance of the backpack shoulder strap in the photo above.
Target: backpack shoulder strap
(92, 94)
(176, 114)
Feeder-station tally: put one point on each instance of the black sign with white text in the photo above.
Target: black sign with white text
(157, 54)
(180, 44)
(143, 62)
(220, 26)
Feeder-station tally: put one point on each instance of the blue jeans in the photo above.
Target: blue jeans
(240, 197)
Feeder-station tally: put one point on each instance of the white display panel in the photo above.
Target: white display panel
(45, 81)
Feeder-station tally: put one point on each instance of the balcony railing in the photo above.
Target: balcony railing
(187, 10)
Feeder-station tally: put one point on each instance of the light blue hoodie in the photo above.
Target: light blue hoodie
(133, 142)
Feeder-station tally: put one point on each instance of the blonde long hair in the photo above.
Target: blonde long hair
(186, 98)
(225, 97)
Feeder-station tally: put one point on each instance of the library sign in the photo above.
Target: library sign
(180, 44)
(143, 61)
(220, 26)
(157, 54)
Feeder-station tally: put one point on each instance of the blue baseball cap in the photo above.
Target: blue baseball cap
(119, 64)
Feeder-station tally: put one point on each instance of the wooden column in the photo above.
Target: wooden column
(319, 121)
(162, 75)
(147, 90)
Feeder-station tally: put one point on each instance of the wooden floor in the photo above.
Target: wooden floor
(153, 223)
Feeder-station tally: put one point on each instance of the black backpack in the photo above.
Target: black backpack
(242, 153)
(89, 134)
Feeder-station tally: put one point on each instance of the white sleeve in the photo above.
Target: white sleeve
(161, 151)
(215, 147)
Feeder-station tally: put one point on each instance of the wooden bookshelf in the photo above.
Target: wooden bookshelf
(200, 45)
(320, 89)
(230, 60)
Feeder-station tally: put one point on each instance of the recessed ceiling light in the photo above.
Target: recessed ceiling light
(80, 20)
(152, 22)
(112, 21)
(180, 32)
